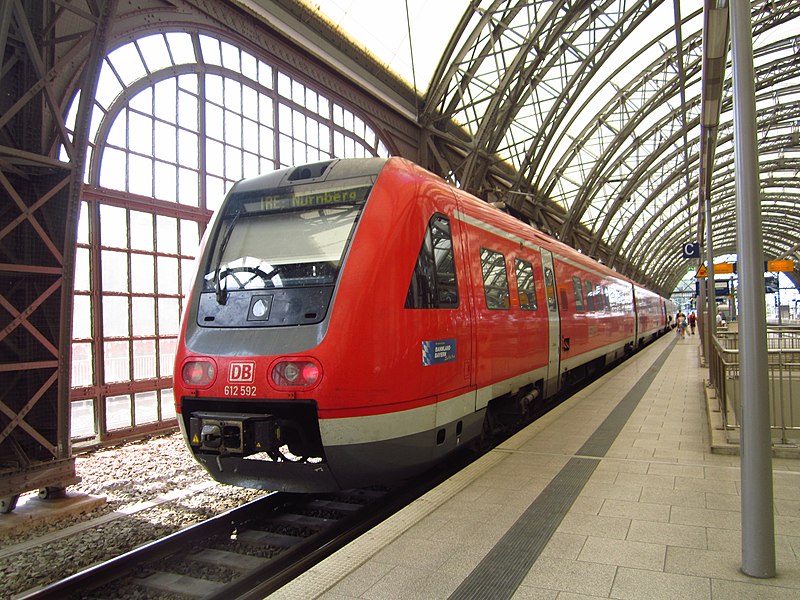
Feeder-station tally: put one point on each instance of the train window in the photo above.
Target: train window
(262, 245)
(495, 279)
(433, 283)
(605, 298)
(577, 288)
(526, 286)
(598, 298)
(590, 304)
(446, 283)
(550, 289)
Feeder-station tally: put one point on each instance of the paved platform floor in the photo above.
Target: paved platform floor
(614, 494)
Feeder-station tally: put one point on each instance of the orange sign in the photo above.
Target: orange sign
(723, 268)
(780, 266)
(719, 269)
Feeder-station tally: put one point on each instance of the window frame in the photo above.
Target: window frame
(490, 272)
(156, 146)
(428, 272)
(530, 292)
(590, 298)
(577, 290)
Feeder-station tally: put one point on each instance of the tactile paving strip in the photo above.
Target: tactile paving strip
(500, 573)
(502, 570)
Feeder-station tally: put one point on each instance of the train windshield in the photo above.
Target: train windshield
(287, 238)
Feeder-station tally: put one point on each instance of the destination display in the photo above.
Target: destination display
(291, 199)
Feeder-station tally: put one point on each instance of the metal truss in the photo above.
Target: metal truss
(39, 44)
(595, 147)
(616, 174)
(777, 120)
(51, 56)
(582, 116)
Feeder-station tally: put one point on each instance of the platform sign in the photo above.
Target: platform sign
(770, 284)
(724, 268)
(779, 266)
(719, 269)
(690, 250)
(721, 288)
(770, 266)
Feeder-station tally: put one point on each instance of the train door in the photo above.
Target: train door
(466, 312)
(554, 333)
(465, 315)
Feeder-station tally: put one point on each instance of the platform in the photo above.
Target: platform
(33, 512)
(614, 494)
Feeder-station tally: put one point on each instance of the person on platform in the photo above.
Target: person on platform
(692, 321)
(680, 329)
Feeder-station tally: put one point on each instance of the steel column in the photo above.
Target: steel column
(758, 527)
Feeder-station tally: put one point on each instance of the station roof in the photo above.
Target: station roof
(594, 120)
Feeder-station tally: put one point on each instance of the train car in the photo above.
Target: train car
(652, 318)
(354, 321)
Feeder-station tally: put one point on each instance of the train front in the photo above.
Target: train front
(246, 369)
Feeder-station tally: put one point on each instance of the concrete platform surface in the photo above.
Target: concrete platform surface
(614, 494)
(31, 511)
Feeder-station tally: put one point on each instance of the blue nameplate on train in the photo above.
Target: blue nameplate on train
(438, 351)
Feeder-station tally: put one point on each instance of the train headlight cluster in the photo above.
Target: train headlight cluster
(293, 374)
(198, 373)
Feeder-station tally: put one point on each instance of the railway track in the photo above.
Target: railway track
(244, 553)
(252, 550)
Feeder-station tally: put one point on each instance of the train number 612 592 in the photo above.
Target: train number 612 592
(240, 390)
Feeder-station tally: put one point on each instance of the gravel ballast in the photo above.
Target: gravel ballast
(127, 476)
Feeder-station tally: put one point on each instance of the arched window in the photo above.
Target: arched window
(177, 119)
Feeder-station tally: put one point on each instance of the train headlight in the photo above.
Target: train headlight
(198, 373)
(292, 374)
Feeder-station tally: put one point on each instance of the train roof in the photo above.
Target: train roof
(339, 169)
(329, 170)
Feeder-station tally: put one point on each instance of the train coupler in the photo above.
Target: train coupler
(234, 433)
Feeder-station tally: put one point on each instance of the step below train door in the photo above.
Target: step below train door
(554, 330)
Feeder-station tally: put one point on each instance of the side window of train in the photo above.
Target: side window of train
(433, 283)
(444, 259)
(606, 299)
(589, 286)
(526, 286)
(495, 279)
(550, 288)
(577, 288)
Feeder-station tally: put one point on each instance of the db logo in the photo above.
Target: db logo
(242, 372)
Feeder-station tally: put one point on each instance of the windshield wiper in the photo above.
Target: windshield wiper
(222, 292)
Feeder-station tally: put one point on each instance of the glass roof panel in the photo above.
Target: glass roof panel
(588, 102)
(381, 28)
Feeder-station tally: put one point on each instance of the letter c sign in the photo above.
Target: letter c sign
(691, 250)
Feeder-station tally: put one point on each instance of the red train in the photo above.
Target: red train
(354, 321)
